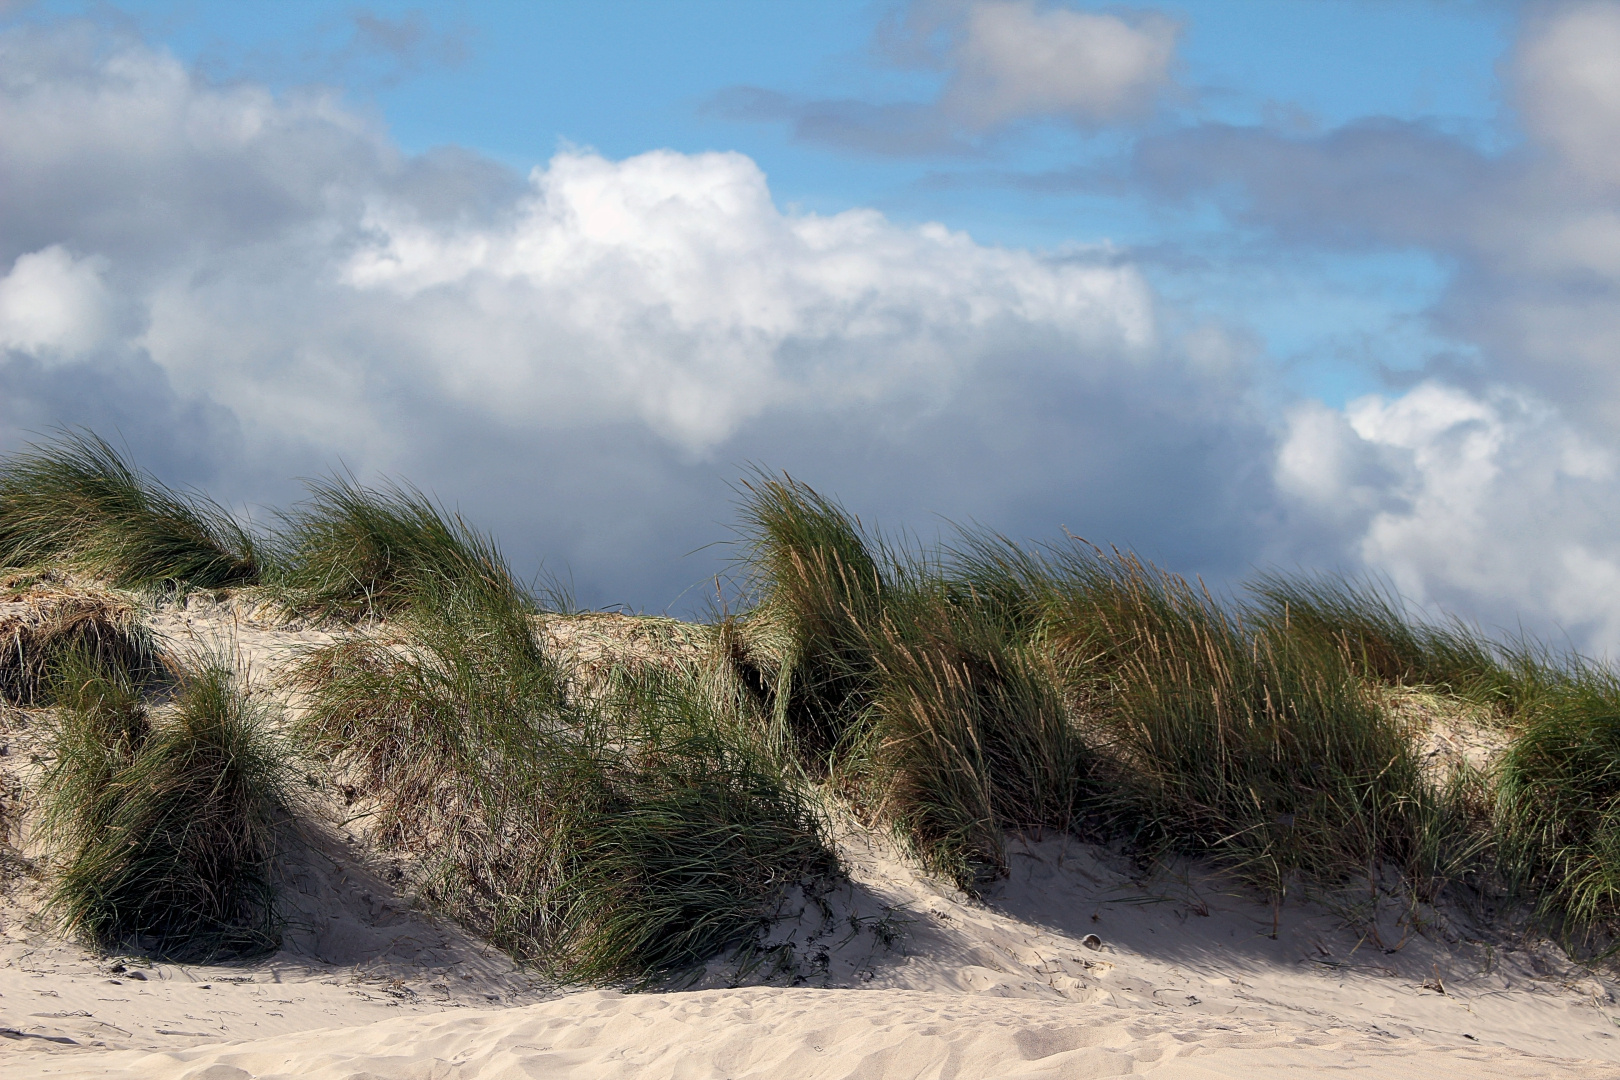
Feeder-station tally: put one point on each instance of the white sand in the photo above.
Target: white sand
(808, 1034)
(895, 976)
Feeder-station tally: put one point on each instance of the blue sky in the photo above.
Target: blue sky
(1237, 284)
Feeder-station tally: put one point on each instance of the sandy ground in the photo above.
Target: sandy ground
(1076, 966)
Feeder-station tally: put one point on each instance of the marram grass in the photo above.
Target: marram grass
(164, 823)
(1226, 735)
(603, 839)
(45, 623)
(910, 695)
(1557, 797)
(994, 688)
(626, 825)
(75, 501)
(354, 552)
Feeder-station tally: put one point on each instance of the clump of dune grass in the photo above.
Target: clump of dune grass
(355, 552)
(995, 687)
(164, 827)
(1557, 795)
(907, 691)
(604, 838)
(819, 588)
(967, 735)
(45, 623)
(1236, 738)
(74, 500)
(1370, 624)
(694, 840)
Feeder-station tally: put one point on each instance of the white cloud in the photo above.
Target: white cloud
(1491, 504)
(583, 357)
(1004, 63)
(671, 285)
(1016, 60)
(54, 305)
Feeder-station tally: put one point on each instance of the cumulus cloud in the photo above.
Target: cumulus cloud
(1005, 63)
(1015, 60)
(584, 357)
(671, 287)
(53, 305)
(1489, 503)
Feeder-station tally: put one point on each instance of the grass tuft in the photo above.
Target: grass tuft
(354, 552)
(43, 625)
(1369, 623)
(1229, 735)
(76, 501)
(819, 589)
(615, 837)
(905, 688)
(165, 827)
(1557, 796)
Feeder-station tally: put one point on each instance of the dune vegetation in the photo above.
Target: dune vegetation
(620, 827)
(165, 821)
(76, 502)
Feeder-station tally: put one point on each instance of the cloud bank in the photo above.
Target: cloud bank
(1490, 486)
(252, 287)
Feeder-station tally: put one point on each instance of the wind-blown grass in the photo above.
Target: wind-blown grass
(628, 827)
(164, 830)
(967, 736)
(76, 501)
(1370, 625)
(909, 693)
(996, 687)
(1231, 736)
(819, 591)
(1557, 796)
(603, 840)
(354, 552)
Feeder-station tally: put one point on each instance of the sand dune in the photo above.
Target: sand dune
(893, 975)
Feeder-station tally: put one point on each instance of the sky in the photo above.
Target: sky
(1239, 286)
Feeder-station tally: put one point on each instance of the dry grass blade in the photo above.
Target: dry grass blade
(43, 622)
